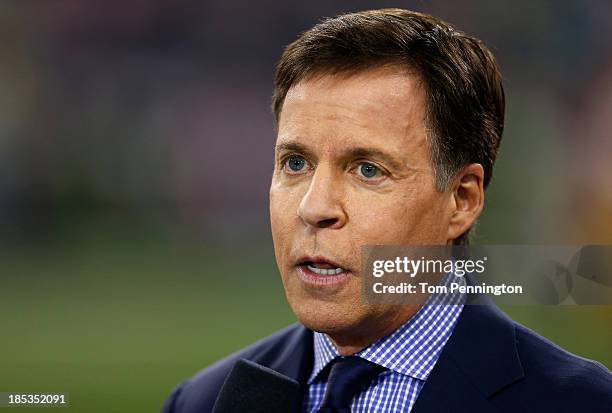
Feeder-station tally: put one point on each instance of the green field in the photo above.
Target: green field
(118, 324)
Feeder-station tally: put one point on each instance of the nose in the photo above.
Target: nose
(322, 206)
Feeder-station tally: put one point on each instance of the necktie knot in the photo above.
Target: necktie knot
(347, 377)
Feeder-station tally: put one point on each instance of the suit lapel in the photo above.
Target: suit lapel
(479, 359)
(446, 390)
(296, 357)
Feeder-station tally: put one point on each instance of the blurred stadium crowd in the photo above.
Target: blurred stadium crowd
(156, 113)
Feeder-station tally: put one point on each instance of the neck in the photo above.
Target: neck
(351, 342)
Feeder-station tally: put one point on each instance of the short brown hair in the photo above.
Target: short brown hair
(465, 96)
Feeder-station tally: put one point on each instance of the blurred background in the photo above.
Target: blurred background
(136, 149)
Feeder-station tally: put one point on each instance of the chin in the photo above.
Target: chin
(325, 317)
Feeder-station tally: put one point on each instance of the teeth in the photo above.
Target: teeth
(323, 271)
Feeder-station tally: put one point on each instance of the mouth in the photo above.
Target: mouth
(321, 271)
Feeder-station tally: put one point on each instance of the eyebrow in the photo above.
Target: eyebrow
(360, 152)
(355, 152)
(292, 147)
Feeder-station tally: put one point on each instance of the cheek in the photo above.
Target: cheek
(283, 212)
(381, 223)
(387, 219)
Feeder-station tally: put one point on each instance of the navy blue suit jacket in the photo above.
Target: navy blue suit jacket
(489, 364)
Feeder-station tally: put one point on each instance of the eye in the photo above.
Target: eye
(369, 171)
(295, 163)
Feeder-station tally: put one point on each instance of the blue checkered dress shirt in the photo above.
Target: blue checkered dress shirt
(409, 354)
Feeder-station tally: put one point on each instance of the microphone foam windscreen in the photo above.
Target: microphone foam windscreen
(253, 388)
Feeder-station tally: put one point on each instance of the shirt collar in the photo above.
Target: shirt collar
(413, 348)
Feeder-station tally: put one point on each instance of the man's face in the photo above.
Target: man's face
(352, 168)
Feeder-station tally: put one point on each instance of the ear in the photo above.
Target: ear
(468, 196)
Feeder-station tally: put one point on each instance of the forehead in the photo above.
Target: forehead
(385, 102)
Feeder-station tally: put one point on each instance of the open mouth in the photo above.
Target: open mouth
(323, 268)
(321, 272)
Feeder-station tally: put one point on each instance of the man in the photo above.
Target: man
(389, 122)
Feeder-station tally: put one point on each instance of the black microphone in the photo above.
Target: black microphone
(252, 388)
